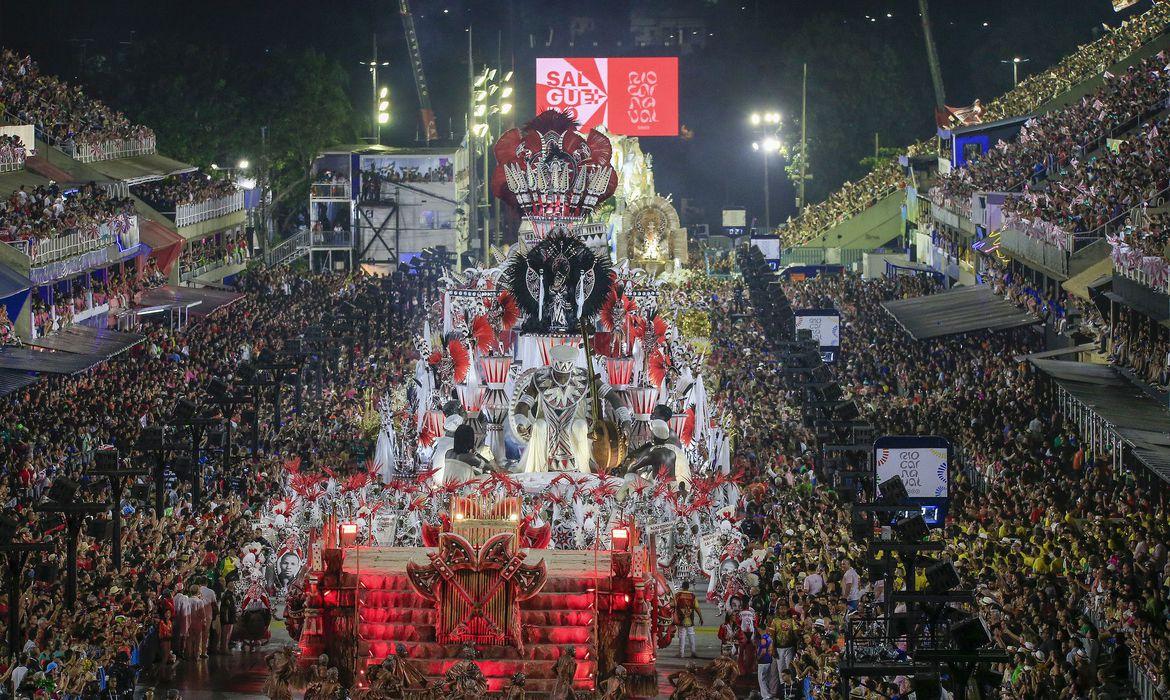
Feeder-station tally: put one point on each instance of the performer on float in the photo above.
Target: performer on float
(661, 458)
(551, 411)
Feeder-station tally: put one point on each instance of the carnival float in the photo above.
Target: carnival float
(550, 476)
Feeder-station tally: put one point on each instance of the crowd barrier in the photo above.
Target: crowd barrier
(187, 214)
(11, 165)
(122, 230)
(110, 150)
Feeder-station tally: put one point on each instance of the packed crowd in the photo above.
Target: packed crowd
(111, 295)
(1048, 143)
(62, 113)
(48, 211)
(1067, 555)
(192, 188)
(1089, 60)
(1100, 190)
(173, 597)
(12, 150)
(224, 248)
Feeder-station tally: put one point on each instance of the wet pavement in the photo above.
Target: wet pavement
(240, 674)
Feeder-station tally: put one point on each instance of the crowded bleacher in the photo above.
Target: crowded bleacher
(63, 114)
(1087, 62)
(45, 212)
(158, 610)
(190, 188)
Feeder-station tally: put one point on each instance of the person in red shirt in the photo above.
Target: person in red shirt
(685, 610)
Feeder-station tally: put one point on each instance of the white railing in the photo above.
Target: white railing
(187, 214)
(11, 165)
(290, 248)
(212, 266)
(110, 150)
(47, 250)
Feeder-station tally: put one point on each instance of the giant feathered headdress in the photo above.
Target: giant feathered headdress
(559, 257)
(549, 171)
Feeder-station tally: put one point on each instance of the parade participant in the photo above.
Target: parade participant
(685, 609)
(661, 458)
(551, 412)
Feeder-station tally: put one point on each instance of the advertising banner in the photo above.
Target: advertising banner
(628, 96)
(923, 462)
(825, 325)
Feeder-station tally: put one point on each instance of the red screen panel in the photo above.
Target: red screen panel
(629, 96)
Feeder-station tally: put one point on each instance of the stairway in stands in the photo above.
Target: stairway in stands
(559, 617)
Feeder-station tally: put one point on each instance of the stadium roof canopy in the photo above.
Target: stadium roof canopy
(959, 310)
(1128, 410)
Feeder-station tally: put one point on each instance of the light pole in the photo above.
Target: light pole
(381, 114)
(767, 127)
(1015, 64)
(490, 96)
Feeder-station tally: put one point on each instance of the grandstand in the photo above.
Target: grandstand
(91, 214)
(865, 214)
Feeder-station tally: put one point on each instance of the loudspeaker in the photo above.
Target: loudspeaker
(911, 528)
(893, 490)
(926, 686)
(150, 438)
(98, 528)
(63, 490)
(970, 634)
(106, 460)
(942, 577)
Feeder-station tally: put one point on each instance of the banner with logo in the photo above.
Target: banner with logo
(825, 326)
(923, 462)
(628, 96)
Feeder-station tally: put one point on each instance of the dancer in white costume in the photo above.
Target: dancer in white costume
(551, 414)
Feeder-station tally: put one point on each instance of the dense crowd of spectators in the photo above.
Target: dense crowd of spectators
(62, 113)
(224, 248)
(169, 596)
(12, 150)
(1032, 92)
(192, 188)
(374, 180)
(1057, 139)
(47, 211)
(1087, 61)
(1067, 555)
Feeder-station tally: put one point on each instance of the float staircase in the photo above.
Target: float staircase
(559, 618)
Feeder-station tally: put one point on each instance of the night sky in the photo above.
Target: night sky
(750, 61)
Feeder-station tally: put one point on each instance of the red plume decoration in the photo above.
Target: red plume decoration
(688, 429)
(658, 367)
(460, 358)
(484, 334)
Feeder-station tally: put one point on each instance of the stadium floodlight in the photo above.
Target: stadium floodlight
(505, 107)
(243, 164)
(506, 92)
(383, 117)
(771, 145)
(479, 110)
(772, 117)
(755, 145)
(756, 118)
(508, 77)
(481, 95)
(383, 92)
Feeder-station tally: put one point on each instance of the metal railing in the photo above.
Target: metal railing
(333, 239)
(329, 190)
(187, 214)
(289, 249)
(212, 266)
(48, 250)
(110, 150)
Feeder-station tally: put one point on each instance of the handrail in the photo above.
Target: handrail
(329, 190)
(78, 242)
(13, 164)
(287, 249)
(110, 150)
(187, 214)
